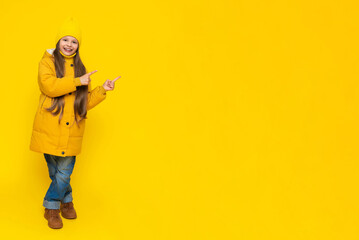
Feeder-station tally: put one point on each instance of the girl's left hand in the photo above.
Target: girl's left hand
(110, 85)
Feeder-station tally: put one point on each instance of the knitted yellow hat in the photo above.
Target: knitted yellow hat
(70, 27)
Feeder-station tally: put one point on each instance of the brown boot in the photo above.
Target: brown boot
(68, 210)
(53, 218)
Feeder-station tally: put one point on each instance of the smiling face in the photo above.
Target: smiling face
(68, 45)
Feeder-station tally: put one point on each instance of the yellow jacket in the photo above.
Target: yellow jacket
(48, 136)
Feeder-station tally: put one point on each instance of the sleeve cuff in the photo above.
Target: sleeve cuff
(77, 81)
(102, 90)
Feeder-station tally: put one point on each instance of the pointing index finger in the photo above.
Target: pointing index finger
(116, 79)
(90, 73)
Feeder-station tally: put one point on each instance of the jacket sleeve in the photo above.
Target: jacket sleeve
(95, 96)
(52, 86)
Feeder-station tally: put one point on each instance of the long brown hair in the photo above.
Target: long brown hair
(58, 103)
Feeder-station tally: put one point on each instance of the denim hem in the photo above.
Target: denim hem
(68, 198)
(51, 205)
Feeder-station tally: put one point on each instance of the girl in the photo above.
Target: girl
(59, 123)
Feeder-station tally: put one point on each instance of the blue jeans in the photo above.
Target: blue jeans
(60, 170)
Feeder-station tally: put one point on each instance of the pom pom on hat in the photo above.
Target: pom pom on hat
(70, 27)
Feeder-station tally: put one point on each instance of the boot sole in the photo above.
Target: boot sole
(68, 217)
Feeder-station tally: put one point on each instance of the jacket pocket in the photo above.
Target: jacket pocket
(42, 104)
(45, 104)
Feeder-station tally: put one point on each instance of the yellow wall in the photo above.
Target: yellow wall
(232, 120)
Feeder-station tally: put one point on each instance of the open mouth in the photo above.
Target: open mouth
(68, 50)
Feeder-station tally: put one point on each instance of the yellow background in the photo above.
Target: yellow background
(232, 120)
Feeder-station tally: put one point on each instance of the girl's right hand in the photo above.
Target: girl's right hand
(85, 79)
(110, 85)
